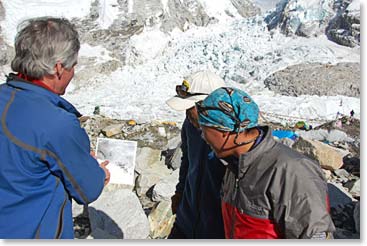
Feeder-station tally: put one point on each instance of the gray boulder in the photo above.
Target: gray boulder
(118, 214)
(329, 157)
(166, 187)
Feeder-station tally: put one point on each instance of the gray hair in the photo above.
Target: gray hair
(41, 43)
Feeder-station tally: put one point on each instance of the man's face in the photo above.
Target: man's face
(217, 140)
(193, 116)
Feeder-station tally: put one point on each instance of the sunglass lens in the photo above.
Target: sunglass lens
(180, 92)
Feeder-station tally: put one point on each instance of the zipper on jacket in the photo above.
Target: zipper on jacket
(234, 198)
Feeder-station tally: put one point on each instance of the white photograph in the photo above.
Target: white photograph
(121, 155)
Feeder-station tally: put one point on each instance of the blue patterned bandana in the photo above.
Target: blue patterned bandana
(228, 109)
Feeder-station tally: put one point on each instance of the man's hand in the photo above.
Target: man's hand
(108, 175)
(175, 199)
(103, 166)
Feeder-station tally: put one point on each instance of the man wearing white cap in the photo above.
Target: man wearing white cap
(197, 201)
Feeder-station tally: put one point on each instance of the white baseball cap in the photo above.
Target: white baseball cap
(194, 88)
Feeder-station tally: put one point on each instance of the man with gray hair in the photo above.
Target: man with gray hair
(45, 154)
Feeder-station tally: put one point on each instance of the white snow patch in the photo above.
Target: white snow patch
(101, 53)
(18, 10)
(109, 9)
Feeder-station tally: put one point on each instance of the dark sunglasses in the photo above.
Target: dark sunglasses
(182, 91)
(227, 109)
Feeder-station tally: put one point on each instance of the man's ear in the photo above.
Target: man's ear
(59, 69)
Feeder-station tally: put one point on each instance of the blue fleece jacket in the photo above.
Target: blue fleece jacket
(201, 173)
(44, 162)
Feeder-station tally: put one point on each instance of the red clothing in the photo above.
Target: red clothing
(36, 82)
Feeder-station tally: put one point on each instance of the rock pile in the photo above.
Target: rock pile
(143, 211)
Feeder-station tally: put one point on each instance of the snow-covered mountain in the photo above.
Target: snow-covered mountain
(134, 52)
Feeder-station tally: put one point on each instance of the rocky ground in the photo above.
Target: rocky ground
(143, 211)
(317, 79)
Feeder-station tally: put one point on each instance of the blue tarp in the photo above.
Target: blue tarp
(285, 134)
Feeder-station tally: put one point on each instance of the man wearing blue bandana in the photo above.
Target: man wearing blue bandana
(196, 201)
(269, 191)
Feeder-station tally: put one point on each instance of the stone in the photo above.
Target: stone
(147, 157)
(329, 158)
(162, 131)
(149, 178)
(342, 173)
(287, 141)
(174, 158)
(166, 187)
(161, 220)
(119, 214)
(327, 174)
(174, 142)
(112, 130)
(354, 187)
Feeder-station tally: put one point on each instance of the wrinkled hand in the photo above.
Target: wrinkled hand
(175, 199)
(106, 171)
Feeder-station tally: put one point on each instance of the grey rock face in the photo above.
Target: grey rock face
(181, 13)
(317, 79)
(301, 18)
(246, 8)
(344, 28)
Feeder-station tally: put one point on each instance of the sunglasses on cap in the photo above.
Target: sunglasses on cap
(228, 110)
(182, 91)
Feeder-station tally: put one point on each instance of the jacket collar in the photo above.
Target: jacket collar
(246, 159)
(21, 84)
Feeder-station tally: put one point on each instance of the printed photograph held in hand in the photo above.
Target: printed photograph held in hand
(121, 155)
